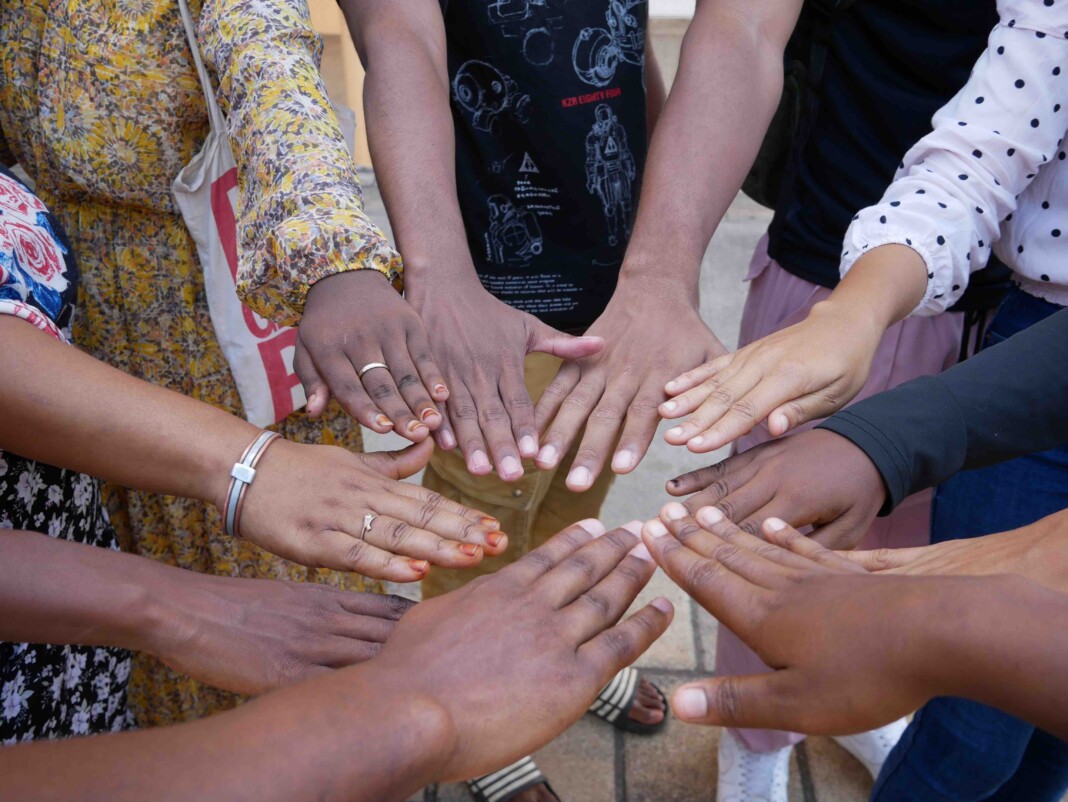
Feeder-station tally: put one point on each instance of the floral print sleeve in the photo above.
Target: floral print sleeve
(300, 210)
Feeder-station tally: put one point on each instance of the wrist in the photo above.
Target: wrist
(641, 285)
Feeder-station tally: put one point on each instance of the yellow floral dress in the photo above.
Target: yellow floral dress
(100, 104)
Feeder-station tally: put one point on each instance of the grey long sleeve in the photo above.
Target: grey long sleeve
(1009, 400)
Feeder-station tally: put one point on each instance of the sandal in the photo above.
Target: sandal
(615, 700)
(500, 786)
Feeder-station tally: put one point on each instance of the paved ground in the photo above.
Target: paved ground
(593, 763)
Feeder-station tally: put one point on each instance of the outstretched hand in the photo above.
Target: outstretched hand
(309, 504)
(611, 398)
(815, 478)
(542, 634)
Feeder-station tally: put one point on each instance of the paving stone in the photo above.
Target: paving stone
(675, 648)
(580, 764)
(707, 631)
(836, 775)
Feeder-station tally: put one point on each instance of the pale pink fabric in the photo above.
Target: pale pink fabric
(914, 347)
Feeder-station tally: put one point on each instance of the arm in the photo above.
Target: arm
(726, 91)
(244, 635)
(301, 220)
(913, 251)
(307, 503)
(854, 651)
(412, 716)
(479, 341)
(655, 89)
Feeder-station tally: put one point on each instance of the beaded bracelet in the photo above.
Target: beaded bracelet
(241, 476)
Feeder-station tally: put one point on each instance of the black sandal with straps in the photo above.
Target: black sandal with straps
(615, 700)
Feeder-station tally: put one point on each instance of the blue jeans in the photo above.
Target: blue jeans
(956, 750)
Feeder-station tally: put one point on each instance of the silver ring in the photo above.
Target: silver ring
(368, 519)
(371, 366)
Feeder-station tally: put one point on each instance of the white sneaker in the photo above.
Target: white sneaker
(748, 776)
(873, 748)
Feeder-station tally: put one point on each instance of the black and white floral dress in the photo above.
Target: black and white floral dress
(50, 691)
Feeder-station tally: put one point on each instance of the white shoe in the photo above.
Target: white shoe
(873, 748)
(748, 776)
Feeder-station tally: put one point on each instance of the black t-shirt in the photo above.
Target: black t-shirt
(548, 100)
(891, 64)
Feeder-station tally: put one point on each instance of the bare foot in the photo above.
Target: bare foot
(648, 707)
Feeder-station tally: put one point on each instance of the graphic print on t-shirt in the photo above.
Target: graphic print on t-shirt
(549, 114)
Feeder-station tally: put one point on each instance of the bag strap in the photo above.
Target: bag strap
(215, 115)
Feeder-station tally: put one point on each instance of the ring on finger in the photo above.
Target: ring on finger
(368, 519)
(371, 366)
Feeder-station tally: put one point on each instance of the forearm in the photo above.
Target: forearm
(410, 132)
(655, 89)
(348, 736)
(71, 410)
(724, 95)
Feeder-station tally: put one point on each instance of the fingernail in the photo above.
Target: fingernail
(671, 385)
(494, 539)
(781, 422)
(440, 388)
(675, 511)
(642, 553)
(547, 455)
(448, 441)
(429, 413)
(510, 466)
(634, 527)
(470, 549)
(676, 432)
(690, 703)
(775, 524)
(528, 446)
(414, 426)
(419, 566)
(696, 441)
(669, 406)
(655, 529)
(479, 460)
(489, 523)
(382, 420)
(662, 604)
(622, 461)
(580, 477)
(709, 516)
(593, 526)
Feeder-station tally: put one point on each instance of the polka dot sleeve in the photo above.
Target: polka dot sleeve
(957, 184)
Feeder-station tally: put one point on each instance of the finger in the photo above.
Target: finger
(380, 605)
(801, 410)
(340, 551)
(730, 411)
(344, 651)
(694, 377)
(369, 629)
(444, 436)
(382, 390)
(496, 425)
(548, 406)
(340, 375)
(410, 385)
(614, 649)
(639, 430)
(547, 340)
(579, 572)
(705, 478)
(877, 560)
(737, 495)
(730, 598)
(781, 534)
(708, 517)
(399, 464)
(464, 417)
(315, 388)
(547, 556)
(398, 536)
(432, 513)
(604, 604)
(708, 402)
(843, 533)
(602, 432)
(761, 700)
(516, 398)
(423, 357)
(571, 418)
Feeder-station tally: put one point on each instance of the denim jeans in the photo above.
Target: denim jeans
(956, 750)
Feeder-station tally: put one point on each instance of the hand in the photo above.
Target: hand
(802, 373)
(308, 505)
(515, 657)
(355, 318)
(614, 395)
(815, 478)
(850, 651)
(481, 343)
(252, 635)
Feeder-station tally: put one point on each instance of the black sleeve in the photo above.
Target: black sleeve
(1008, 400)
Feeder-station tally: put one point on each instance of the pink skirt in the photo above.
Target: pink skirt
(917, 346)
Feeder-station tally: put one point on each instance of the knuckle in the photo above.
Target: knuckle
(607, 414)
(382, 391)
(398, 605)
(751, 526)
(619, 645)
(581, 564)
(539, 560)
(727, 699)
(618, 540)
(629, 573)
(720, 487)
(744, 408)
(463, 412)
(702, 573)
(396, 534)
(686, 530)
(492, 414)
(519, 403)
(728, 508)
(407, 380)
(597, 603)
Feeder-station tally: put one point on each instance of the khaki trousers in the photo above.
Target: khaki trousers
(531, 510)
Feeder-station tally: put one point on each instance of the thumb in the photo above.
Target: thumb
(758, 700)
(315, 388)
(400, 464)
(547, 340)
